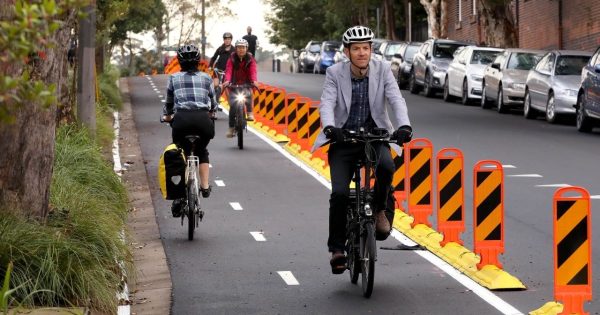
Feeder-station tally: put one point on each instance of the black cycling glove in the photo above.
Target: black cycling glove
(402, 135)
(334, 134)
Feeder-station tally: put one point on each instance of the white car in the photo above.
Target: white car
(465, 72)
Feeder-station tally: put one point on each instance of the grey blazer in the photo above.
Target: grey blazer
(337, 94)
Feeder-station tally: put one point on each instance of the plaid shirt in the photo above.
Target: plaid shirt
(360, 112)
(189, 91)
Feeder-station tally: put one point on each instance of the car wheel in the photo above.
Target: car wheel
(582, 122)
(528, 111)
(465, 93)
(484, 102)
(500, 107)
(427, 88)
(551, 109)
(447, 97)
(412, 84)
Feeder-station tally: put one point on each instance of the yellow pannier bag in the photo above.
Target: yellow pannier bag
(171, 172)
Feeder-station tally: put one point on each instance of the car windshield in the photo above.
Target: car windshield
(570, 65)
(483, 57)
(523, 61)
(314, 48)
(444, 50)
(376, 46)
(393, 49)
(331, 47)
(411, 50)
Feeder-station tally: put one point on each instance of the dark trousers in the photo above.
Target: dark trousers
(342, 162)
(193, 122)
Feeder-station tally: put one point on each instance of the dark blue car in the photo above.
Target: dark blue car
(325, 58)
(588, 99)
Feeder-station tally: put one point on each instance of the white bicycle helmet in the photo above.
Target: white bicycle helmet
(357, 34)
(241, 42)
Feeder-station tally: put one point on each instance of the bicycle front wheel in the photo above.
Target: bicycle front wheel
(368, 255)
(191, 209)
(239, 126)
(354, 264)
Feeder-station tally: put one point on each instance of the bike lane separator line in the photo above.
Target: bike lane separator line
(485, 294)
(503, 166)
(526, 175)
(236, 206)
(554, 185)
(288, 277)
(220, 183)
(595, 197)
(258, 236)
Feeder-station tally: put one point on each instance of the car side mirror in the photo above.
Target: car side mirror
(597, 68)
(399, 56)
(427, 56)
(496, 65)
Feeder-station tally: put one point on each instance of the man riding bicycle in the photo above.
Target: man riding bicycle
(241, 69)
(354, 97)
(189, 107)
(219, 60)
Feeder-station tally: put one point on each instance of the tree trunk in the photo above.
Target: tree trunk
(432, 7)
(444, 18)
(498, 23)
(390, 21)
(27, 145)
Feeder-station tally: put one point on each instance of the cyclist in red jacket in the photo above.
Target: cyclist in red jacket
(240, 69)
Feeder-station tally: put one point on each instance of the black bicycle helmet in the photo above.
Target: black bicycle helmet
(227, 35)
(188, 53)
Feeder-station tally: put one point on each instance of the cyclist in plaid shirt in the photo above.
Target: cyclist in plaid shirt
(189, 107)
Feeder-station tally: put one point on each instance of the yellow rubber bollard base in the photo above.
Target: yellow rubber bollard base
(550, 308)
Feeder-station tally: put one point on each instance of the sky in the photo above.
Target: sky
(247, 13)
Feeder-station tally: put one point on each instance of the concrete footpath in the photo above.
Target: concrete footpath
(150, 287)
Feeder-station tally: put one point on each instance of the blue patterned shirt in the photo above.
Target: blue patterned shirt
(360, 112)
(189, 91)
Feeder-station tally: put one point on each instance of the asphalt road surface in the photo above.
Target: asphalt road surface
(226, 270)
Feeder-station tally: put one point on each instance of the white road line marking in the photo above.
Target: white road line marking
(220, 183)
(595, 197)
(554, 185)
(527, 175)
(209, 165)
(258, 236)
(503, 166)
(482, 292)
(163, 101)
(236, 206)
(288, 277)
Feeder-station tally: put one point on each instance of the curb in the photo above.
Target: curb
(150, 286)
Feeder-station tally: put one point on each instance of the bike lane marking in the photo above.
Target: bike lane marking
(258, 236)
(288, 277)
(554, 185)
(526, 175)
(236, 206)
(485, 294)
(220, 183)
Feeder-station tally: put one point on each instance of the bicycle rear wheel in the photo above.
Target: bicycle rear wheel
(191, 208)
(239, 127)
(368, 255)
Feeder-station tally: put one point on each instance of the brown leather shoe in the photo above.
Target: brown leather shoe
(338, 262)
(382, 226)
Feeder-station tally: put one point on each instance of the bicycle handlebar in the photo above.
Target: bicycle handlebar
(377, 135)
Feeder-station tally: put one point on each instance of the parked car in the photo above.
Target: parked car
(306, 60)
(552, 85)
(376, 53)
(430, 64)
(339, 55)
(588, 98)
(325, 58)
(465, 72)
(504, 80)
(402, 62)
(388, 49)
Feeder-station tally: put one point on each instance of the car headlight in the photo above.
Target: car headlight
(476, 77)
(516, 86)
(436, 68)
(568, 92)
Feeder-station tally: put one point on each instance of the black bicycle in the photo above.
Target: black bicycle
(243, 95)
(360, 244)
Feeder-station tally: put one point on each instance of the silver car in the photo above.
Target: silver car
(504, 80)
(552, 86)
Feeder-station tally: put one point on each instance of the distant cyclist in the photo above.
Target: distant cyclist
(189, 106)
(219, 60)
(354, 96)
(241, 69)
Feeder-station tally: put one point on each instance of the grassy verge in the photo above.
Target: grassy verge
(71, 260)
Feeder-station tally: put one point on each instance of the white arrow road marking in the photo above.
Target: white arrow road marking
(288, 277)
(220, 183)
(258, 236)
(236, 206)
(554, 185)
(527, 175)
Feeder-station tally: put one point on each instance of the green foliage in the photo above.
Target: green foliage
(72, 259)
(294, 23)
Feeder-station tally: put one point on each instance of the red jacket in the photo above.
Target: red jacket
(245, 73)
